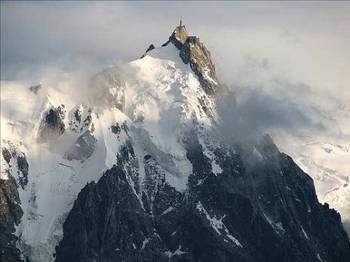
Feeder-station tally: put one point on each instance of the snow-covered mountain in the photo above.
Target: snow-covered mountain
(134, 169)
(324, 155)
(326, 161)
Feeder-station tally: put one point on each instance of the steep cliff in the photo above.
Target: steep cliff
(136, 170)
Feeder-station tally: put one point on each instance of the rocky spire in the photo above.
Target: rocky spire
(198, 56)
(150, 48)
(195, 53)
(179, 36)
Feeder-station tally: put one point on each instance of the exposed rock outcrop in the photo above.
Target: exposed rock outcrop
(52, 125)
(116, 227)
(80, 119)
(10, 215)
(80, 122)
(179, 36)
(10, 209)
(162, 184)
(16, 161)
(35, 89)
(83, 147)
(262, 207)
(150, 48)
(194, 52)
(197, 55)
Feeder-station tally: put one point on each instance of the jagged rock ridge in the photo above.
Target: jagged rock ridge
(257, 206)
(144, 176)
(261, 210)
(194, 52)
(52, 124)
(10, 203)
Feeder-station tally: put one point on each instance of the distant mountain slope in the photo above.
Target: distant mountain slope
(136, 170)
(327, 163)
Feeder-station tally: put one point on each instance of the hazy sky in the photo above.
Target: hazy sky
(288, 63)
(287, 57)
(304, 41)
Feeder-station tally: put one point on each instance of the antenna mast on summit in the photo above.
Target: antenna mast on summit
(180, 21)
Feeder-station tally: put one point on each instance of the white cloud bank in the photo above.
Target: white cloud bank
(286, 62)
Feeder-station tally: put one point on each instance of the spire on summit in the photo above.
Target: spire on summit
(179, 35)
(194, 52)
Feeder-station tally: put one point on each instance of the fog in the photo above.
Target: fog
(286, 63)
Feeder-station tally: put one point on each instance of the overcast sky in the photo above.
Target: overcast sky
(287, 62)
(308, 41)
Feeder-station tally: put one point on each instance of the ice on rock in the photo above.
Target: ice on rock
(81, 137)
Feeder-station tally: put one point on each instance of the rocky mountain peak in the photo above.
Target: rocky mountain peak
(198, 56)
(179, 36)
(141, 174)
(194, 52)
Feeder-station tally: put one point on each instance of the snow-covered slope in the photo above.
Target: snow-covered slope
(328, 162)
(158, 105)
(53, 180)
(325, 156)
(69, 134)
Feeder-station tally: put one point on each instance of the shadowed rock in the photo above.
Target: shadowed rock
(262, 207)
(83, 148)
(150, 48)
(52, 125)
(10, 209)
(179, 36)
(35, 88)
(194, 52)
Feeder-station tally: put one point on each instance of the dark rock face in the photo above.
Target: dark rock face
(83, 147)
(19, 160)
(52, 125)
(10, 209)
(10, 214)
(23, 167)
(77, 122)
(114, 229)
(262, 207)
(179, 36)
(194, 52)
(117, 128)
(80, 122)
(35, 88)
(197, 55)
(150, 48)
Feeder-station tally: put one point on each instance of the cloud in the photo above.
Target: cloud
(295, 38)
(247, 113)
(285, 63)
(262, 100)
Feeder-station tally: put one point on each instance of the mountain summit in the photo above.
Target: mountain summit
(194, 52)
(179, 36)
(137, 171)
